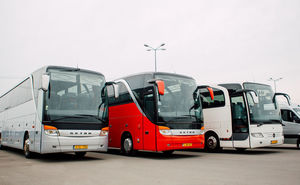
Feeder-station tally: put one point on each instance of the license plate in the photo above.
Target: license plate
(187, 144)
(274, 142)
(80, 147)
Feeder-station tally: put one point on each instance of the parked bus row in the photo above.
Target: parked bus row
(62, 109)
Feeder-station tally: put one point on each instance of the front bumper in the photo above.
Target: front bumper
(266, 141)
(165, 143)
(57, 144)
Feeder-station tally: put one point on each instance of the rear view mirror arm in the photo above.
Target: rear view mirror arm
(211, 92)
(282, 94)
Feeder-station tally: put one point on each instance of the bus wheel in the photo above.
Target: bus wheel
(168, 152)
(1, 147)
(240, 149)
(212, 143)
(26, 148)
(80, 154)
(127, 145)
(298, 143)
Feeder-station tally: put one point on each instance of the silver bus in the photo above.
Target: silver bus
(55, 109)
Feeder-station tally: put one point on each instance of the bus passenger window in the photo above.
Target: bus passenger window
(207, 102)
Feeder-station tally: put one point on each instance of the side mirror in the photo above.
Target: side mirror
(211, 92)
(160, 86)
(45, 82)
(282, 94)
(116, 90)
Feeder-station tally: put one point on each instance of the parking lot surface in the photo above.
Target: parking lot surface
(267, 166)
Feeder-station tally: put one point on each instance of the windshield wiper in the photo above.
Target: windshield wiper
(182, 117)
(259, 123)
(91, 116)
(272, 121)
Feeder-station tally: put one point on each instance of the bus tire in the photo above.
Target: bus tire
(1, 147)
(80, 154)
(168, 152)
(298, 143)
(212, 143)
(240, 149)
(26, 147)
(127, 145)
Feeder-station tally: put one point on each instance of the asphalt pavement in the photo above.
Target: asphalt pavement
(265, 166)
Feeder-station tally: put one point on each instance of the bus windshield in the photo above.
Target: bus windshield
(297, 110)
(264, 111)
(176, 105)
(74, 96)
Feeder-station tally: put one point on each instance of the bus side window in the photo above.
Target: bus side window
(284, 115)
(124, 96)
(207, 102)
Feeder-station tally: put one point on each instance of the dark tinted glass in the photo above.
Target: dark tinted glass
(285, 115)
(239, 115)
(124, 96)
(17, 96)
(136, 84)
(207, 102)
(149, 104)
(73, 96)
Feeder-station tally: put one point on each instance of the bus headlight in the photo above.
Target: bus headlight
(104, 131)
(164, 130)
(258, 134)
(50, 130)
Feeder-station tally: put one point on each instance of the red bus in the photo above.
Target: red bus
(158, 112)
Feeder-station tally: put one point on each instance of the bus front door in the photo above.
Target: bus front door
(240, 125)
(149, 128)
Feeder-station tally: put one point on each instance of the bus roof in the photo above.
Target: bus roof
(45, 68)
(72, 69)
(156, 73)
(238, 85)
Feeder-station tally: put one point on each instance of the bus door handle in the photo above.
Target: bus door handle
(147, 132)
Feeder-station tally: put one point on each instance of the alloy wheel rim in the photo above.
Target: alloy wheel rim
(26, 146)
(127, 145)
(212, 142)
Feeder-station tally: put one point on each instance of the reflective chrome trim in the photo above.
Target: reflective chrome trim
(186, 132)
(131, 95)
(79, 133)
(272, 134)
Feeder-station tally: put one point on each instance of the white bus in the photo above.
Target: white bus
(55, 109)
(241, 116)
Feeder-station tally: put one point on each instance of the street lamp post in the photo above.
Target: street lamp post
(154, 49)
(275, 80)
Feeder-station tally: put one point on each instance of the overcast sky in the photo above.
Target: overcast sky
(212, 41)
